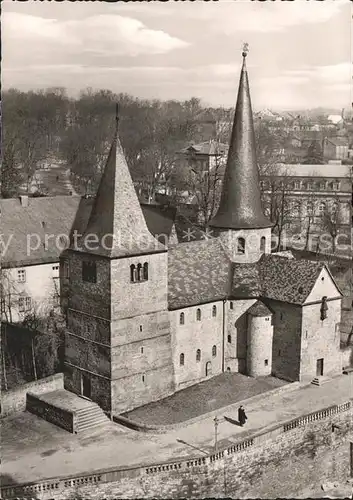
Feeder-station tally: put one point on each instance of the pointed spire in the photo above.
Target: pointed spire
(117, 226)
(240, 206)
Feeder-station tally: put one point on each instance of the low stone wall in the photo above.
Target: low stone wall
(15, 400)
(161, 429)
(277, 462)
(54, 414)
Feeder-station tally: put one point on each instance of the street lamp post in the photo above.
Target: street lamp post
(216, 422)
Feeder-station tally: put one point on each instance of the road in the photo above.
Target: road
(52, 179)
(34, 449)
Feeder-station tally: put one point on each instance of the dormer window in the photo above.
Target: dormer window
(89, 272)
(241, 246)
(323, 308)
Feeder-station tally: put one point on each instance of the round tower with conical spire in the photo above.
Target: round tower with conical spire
(244, 230)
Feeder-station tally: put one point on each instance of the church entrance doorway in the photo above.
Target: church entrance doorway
(85, 386)
(208, 368)
(319, 367)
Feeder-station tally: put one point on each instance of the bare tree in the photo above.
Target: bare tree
(205, 183)
(278, 207)
(332, 221)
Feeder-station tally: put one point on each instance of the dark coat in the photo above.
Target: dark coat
(242, 416)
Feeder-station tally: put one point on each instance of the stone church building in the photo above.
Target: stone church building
(146, 319)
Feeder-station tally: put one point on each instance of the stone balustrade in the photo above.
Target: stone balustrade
(57, 485)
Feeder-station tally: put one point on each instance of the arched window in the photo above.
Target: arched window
(214, 311)
(198, 314)
(214, 351)
(241, 245)
(231, 305)
(309, 207)
(182, 318)
(139, 269)
(322, 207)
(263, 244)
(132, 272)
(145, 271)
(182, 359)
(229, 339)
(198, 355)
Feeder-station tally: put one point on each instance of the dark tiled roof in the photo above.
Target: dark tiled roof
(159, 220)
(246, 281)
(259, 309)
(287, 280)
(199, 272)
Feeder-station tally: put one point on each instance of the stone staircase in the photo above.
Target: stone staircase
(90, 418)
(320, 380)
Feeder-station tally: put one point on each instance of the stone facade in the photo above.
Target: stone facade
(118, 333)
(235, 351)
(197, 344)
(36, 285)
(286, 346)
(259, 346)
(320, 340)
(253, 249)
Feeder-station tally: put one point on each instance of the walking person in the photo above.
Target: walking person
(241, 415)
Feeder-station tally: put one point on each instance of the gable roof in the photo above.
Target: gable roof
(287, 280)
(211, 148)
(26, 226)
(338, 141)
(62, 215)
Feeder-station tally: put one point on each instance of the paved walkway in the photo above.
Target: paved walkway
(54, 180)
(216, 392)
(33, 449)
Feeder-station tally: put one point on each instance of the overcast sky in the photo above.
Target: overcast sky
(300, 51)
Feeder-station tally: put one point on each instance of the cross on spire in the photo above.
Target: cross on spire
(117, 114)
(245, 49)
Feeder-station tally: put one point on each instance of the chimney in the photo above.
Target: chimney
(24, 200)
